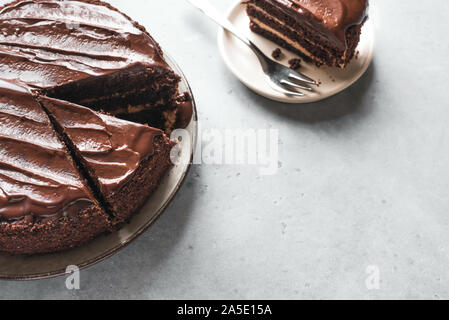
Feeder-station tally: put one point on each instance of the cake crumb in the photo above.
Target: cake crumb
(357, 55)
(277, 54)
(185, 97)
(295, 64)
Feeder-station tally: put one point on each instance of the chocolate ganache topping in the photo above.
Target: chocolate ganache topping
(51, 43)
(111, 147)
(331, 17)
(36, 175)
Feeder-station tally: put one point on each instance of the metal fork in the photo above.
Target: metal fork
(279, 77)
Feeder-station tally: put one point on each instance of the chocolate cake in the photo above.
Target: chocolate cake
(45, 203)
(70, 168)
(326, 32)
(125, 160)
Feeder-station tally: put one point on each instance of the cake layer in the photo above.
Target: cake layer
(115, 153)
(159, 118)
(30, 236)
(137, 85)
(289, 39)
(39, 182)
(302, 47)
(167, 119)
(276, 17)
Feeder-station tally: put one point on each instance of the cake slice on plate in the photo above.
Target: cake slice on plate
(46, 205)
(124, 160)
(324, 31)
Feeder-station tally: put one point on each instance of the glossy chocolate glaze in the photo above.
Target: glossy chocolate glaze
(111, 147)
(185, 111)
(331, 18)
(47, 43)
(37, 177)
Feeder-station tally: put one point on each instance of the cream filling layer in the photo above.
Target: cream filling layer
(274, 18)
(294, 44)
(291, 42)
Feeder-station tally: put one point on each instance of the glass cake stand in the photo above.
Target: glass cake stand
(55, 264)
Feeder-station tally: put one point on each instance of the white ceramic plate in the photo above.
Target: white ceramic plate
(245, 66)
(49, 265)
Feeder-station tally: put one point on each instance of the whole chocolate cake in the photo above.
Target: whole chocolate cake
(70, 168)
(324, 31)
(45, 202)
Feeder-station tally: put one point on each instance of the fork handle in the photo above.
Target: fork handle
(210, 11)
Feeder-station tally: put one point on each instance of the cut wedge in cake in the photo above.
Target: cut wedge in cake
(46, 204)
(125, 160)
(89, 53)
(326, 32)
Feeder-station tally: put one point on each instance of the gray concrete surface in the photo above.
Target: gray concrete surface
(362, 181)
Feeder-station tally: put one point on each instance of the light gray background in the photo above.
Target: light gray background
(363, 179)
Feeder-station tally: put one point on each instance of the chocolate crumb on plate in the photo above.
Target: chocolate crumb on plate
(295, 64)
(277, 54)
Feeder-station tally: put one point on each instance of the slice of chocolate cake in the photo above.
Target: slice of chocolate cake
(125, 160)
(89, 53)
(324, 31)
(45, 203)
